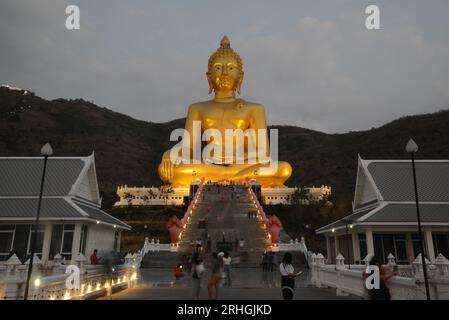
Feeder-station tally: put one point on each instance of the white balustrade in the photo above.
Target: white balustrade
(49, 281)
(407, 282)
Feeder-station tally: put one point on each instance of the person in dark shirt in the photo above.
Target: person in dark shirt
(94, 259)
(383, 292)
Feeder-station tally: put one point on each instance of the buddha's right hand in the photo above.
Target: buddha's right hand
(166, 167)
(166, 170)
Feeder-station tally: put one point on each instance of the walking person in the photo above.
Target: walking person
(189, 265)
(209, 243)
(198, 272)
(227, 269)
(216, 276)
(288, 276)
(197, 255)
(184, 261)
(274, 267)
(178, 273)
(204, 235)
(383, 292)
(270, 269)
(264, 265)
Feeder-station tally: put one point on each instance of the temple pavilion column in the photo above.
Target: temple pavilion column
(337, 246)
(76, 241)
(47, 240)
(410, 250)
(369, 241)
(356, 246)
(328, 249)
(429, 243)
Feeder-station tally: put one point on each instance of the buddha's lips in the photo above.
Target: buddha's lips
(224, 82)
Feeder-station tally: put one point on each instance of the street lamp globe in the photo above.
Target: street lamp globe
(47, 150)
(411, 146)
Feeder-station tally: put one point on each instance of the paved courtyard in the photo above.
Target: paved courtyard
(143, 292)
(249, 284)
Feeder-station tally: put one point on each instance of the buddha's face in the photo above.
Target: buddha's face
(225, 75)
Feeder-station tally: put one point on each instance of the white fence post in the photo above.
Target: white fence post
(419, 267)
(391, 260)
(314, 256)
(128, 258)
(319, 264)
(320, 259)
(340, 262)
(11, 265)
(339, 267)
(442, 265)
(57, 259)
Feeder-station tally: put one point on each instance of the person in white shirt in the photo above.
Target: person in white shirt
(227, 269)
(287, 276)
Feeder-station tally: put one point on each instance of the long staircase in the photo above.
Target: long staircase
(224, 211)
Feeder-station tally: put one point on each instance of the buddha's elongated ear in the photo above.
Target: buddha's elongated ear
(239, 83)
(209, 80)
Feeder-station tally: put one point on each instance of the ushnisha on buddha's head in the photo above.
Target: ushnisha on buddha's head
(225, 70)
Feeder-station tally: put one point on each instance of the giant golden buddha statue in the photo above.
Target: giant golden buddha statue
(225, 111)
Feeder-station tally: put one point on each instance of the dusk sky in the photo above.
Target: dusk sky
(310, 63)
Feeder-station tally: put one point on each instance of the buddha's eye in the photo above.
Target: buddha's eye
(230, 68)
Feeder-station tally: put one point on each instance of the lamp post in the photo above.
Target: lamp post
(412, 148)
(46, 151)
(348, 222)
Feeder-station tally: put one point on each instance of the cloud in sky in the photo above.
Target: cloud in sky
(311, 63)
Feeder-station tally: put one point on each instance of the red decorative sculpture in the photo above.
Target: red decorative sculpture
(174, 226)
(274, 226)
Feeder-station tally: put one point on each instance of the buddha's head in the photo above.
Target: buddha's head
(225, 69)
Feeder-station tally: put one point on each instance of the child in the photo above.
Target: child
(178, 272)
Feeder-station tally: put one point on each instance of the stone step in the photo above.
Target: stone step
(161, 259)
